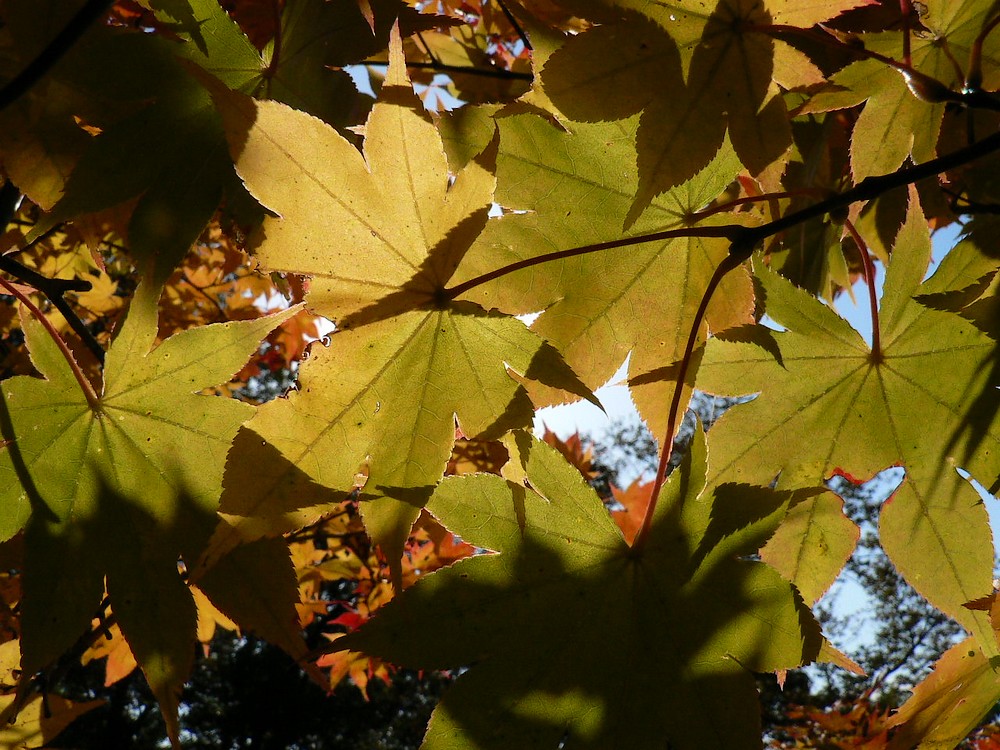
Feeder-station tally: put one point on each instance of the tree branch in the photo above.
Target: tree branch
(867, 189)
(728, 231)
(513, 22)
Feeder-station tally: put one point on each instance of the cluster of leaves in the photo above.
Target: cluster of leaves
(653, 179)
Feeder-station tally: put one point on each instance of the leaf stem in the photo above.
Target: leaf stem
(866, 262)
(723, 207)
(85, 385)
(974, 75)
(667, 447)
(272, 66)
(743, 241)
(906, 10)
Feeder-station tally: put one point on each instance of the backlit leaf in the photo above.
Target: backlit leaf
(574, 637)
(826, 404)
(122, 488)
(381, 235)
(948, 703)
(578, 185)
(812, 544)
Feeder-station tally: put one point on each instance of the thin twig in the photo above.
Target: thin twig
(53, 289)
(221, 312)
(485, 72)
(974, 75)
(430, 53)
(53, 52)
(40, 681)
(513, 22)
(729, 205)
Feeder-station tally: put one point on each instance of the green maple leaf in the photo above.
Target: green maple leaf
(160, 137)
(966, 281)
(381, 235)
(573, 637)
(573, 187)
(302, 66)
(826, 404)
(295, 68)
(812, 544)
(118, 487)
(894, 123)
(712, 72)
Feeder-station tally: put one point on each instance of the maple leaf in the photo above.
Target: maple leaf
(381, 235)
(949, 702)
(634, 501)
(41, 141)
(895, 123)
(42, 718)
(293, 68)
(162, 140)
(574, 637)
(812, 544)
(119, 485)
(301, 64)
(713, 71)
(114, 648)
(966, 280)
(826, 404)
(571, 188)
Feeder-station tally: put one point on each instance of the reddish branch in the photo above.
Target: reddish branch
(727, 232)
(744, 239)
(922, 86)
(85, 385)
(730, 205)
(727, 265)
(906, 10)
